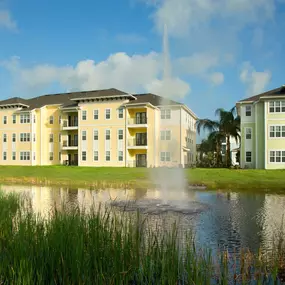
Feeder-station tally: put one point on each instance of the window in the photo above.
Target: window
(59, 156)
(51, 120)
(59, 120)
(108, 158)
(83, 155)
(25, 137)
(96, 114)
(34, 119)
(4, 138)
(13, 155)
(34, 156)
(50, 138)
(165, 135)
(84, 115)
(108, 114)
(120, 156)
(4, 155)
(5, 120)
(277, 107)
(108, 135)
(34, 137)
(120, 134)
(25, 118)
(164, 156)
(277, 156)
(248, 111)
(121, 113)
(84, 135)
(96, 135)
(248, 133)
(24, 155)
(96, 155)
(14, 138)
(248, 156)
(51, 156)
(165, 114)
(277, 131)
(14, 119)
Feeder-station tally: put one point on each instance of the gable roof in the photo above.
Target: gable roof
(280, 91)
(153, 99)
(13, 101)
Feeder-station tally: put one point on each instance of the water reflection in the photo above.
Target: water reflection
(233, 220)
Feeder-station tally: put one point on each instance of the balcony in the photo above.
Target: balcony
(70, 124)
(138, 143)
(70, 145)
(140, 120)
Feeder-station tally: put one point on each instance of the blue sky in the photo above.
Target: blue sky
(221, 51)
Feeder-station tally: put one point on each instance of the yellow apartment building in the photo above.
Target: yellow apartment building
(97, 128)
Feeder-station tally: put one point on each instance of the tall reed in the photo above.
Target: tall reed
(101, 247)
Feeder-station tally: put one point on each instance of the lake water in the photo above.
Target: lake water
(223, 220)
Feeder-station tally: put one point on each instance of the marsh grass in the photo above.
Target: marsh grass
(101, 247)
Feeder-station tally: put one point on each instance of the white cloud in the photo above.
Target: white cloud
(185, 15)
(255, 81)
(135, 73)
(216, 78)
(6, 20)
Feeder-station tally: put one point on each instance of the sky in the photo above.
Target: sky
(221, 51)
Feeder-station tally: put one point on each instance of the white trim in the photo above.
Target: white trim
(275, 125)
(94, 114)
(265, 135)
(250, 133)
(275, 113)
(268, 153)
(118, 109)
(106, 114)
(103, 97)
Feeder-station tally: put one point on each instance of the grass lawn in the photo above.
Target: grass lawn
(88, 176)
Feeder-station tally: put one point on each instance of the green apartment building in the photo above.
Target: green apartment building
(263, 130)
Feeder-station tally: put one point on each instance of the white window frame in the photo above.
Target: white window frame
(84, 155)
(25, 155)
(51, 139)
(272, 129)
(96, 113)
(84, 115)
(14, 155)
(106, 136)
(14, 119)
(5, 138)
(51, 120)
(273, 105)
(4, 155)
(120, 134)
(248, 110)
(51, 156)
(250, 156)
(248, 136)
(120, 112)
(162, 135)
(25, 118)
(165, 156)
(107, 109)
(25, 137)
(14, 137)
(59, 156)
(96, 155)
(83, 135)
(5, 120)
(274, 151)
(96, 135)
(165, 114)
(165, 135)
(108, 152)
(120, 155)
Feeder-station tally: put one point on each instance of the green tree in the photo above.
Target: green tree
(227, 125)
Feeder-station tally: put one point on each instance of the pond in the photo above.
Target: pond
(220, 220)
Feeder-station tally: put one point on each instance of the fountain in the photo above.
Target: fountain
(172, 193)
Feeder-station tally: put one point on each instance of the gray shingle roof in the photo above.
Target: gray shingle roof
(275, 92)
(14, 100)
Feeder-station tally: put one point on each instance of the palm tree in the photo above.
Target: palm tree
(226, 126)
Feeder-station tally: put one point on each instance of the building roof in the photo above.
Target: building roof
(13, 101)
(153, 99)
(280, 91)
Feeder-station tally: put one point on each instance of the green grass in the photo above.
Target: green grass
(257, 180)
(102, 248)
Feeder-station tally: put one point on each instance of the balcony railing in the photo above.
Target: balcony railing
(137, 142)
(71, 143)
(137, 121)
(68, 124)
